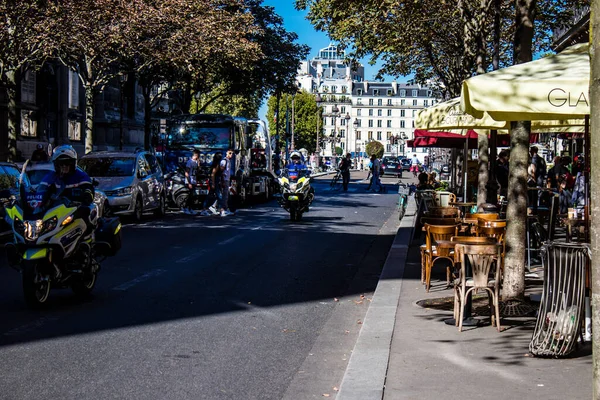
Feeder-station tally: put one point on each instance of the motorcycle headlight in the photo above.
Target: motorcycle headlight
(209, 158)
(50, 224)
(33, 229)
(293, 186)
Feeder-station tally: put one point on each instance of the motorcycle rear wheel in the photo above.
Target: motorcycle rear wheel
(36, 286)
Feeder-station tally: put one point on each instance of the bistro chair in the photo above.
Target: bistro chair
(472, 219)
(430, 252)
(485, 275)
(486, 216)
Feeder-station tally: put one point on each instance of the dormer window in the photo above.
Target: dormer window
(359, 92)
(390, 92)
(375, 92)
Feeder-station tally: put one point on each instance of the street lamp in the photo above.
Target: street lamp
(355, 125)
(318, 100)
(347, 118)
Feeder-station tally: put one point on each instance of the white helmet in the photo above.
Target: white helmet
(64, 152)
(295, 154)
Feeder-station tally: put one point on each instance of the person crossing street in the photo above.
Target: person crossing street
(345, 170)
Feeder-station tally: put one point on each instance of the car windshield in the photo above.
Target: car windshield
(108, 166)
(208, 137)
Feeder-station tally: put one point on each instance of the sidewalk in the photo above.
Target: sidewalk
(405, 351)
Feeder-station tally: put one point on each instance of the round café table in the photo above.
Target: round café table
(465, 207)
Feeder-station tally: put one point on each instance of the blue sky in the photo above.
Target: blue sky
(295, 21)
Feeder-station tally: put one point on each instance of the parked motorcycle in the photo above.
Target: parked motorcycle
(296, 193)
(178, 191)
(50, 247)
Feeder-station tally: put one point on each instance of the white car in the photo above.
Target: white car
(36, 171)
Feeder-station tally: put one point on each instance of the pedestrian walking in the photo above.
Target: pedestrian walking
(212, 200)
(226, 183)
(376, 181)
(345, 170)
(191, 170)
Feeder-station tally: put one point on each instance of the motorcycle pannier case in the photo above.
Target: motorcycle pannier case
(109, 231)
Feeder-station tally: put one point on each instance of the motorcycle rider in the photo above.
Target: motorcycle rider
(68, 181)
(296, 164)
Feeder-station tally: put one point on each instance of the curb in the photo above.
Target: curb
(366, 372)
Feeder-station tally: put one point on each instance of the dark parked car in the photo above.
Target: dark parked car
(406, 163)
(392, 166)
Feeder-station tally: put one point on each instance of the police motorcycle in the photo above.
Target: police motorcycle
(51, 248)
(296, 192)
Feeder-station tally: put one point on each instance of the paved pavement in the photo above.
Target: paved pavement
(405, 351)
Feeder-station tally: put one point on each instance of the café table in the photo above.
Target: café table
(465, 207)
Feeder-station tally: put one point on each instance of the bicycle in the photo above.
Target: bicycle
(403, 192)
(336, 181)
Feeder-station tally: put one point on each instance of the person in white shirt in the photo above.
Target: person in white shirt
(226, 168)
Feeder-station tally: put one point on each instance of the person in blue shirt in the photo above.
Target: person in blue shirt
(69, 181)
(297, 165)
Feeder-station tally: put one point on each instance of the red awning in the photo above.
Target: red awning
(448, 140)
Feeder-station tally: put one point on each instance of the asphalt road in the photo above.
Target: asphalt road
(245, 307)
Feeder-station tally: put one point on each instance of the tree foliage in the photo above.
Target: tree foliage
(375, 148)
(439, 42)
(306, 117)
(23, 45)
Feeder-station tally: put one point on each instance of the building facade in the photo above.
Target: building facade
(51, 109)
(356, 111)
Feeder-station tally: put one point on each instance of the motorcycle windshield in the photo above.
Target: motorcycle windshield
(294, 174)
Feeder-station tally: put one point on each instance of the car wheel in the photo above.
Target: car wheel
(162, 207)
(138, 211)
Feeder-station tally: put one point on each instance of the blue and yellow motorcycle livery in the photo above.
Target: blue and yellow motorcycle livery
(296, 192)
(53, 246)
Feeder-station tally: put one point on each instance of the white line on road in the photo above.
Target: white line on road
(139, 279)
(230, 240)
(191, 257)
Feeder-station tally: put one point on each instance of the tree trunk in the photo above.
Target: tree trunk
(492, 185)
(13, 115)
(89, 117)
(482, 143)
(147, 116)
(516, 213)
(595, 188)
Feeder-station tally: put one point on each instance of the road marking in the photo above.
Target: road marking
(30, 326)
(230, 240)
(139, 279)
(191, 257)
(257, 228)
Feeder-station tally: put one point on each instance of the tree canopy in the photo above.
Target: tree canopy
(438, 42)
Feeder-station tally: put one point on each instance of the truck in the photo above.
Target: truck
(252, 173)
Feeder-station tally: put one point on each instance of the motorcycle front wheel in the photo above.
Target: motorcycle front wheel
(85, 285)
(36, 286)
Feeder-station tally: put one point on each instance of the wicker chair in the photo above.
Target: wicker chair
(430, 253)
(482, 259)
